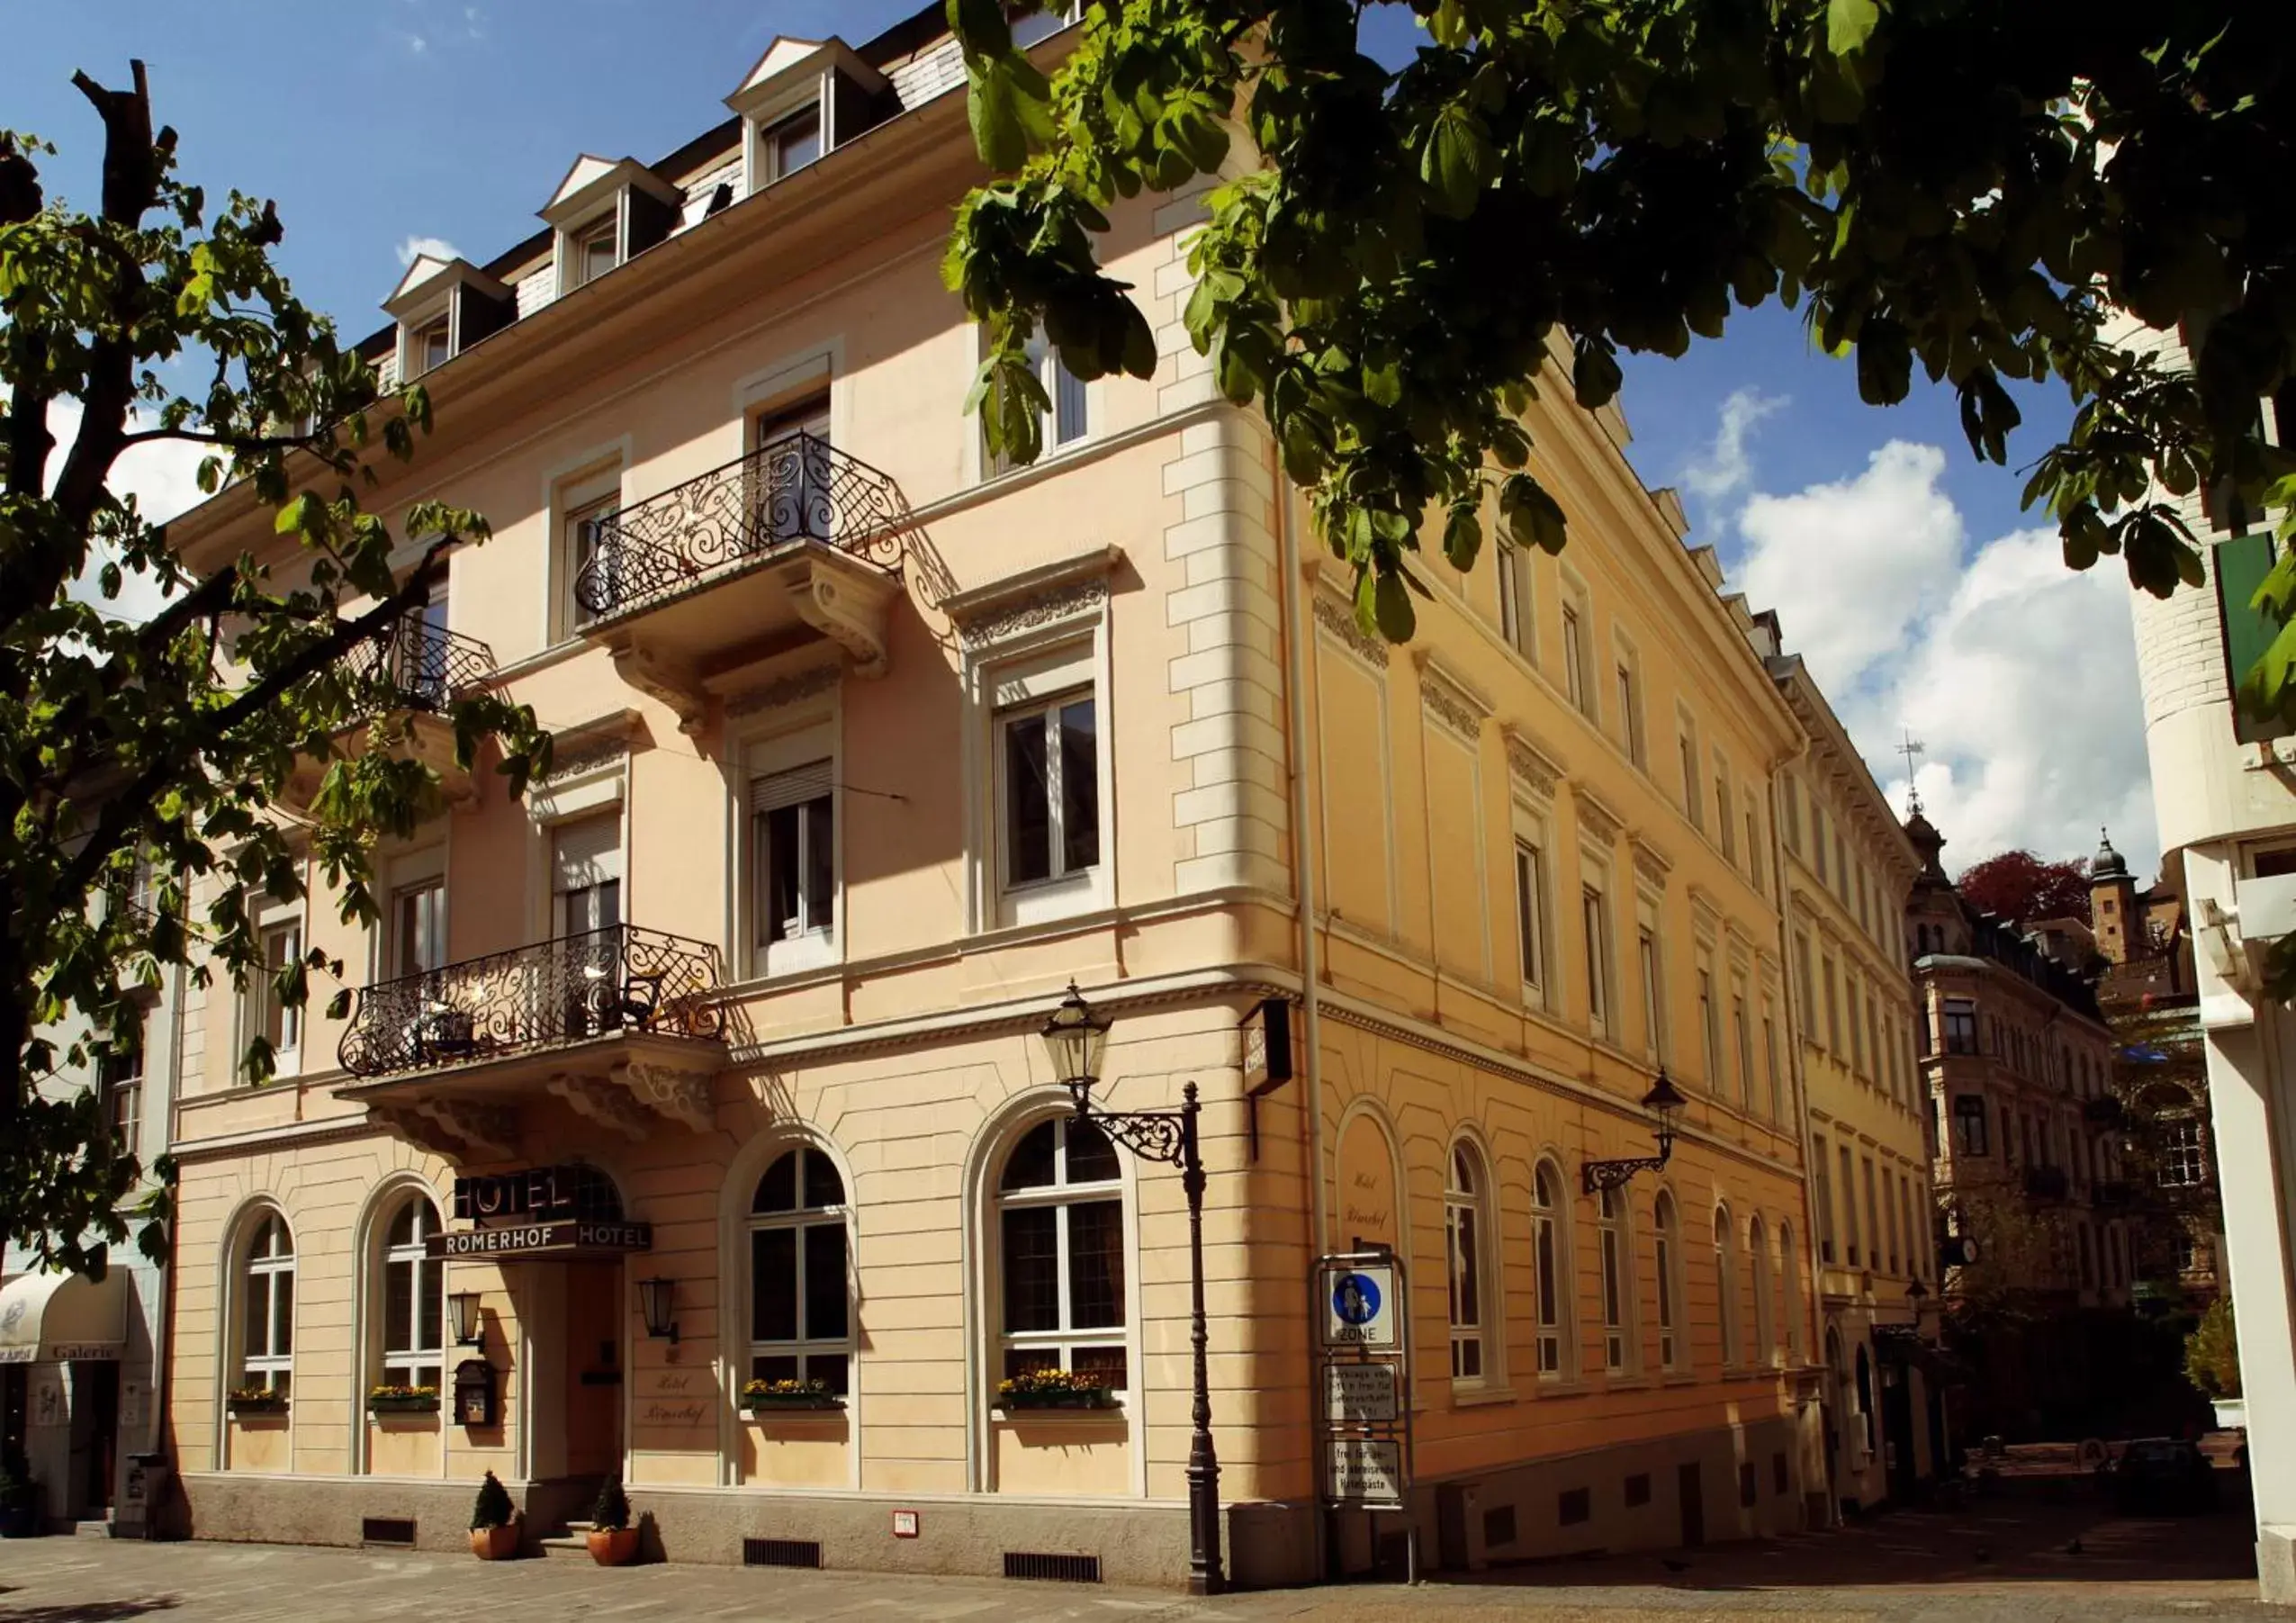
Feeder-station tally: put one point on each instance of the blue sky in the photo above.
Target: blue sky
(1900, 565)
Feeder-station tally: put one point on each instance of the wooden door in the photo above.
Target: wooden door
(593, 1351)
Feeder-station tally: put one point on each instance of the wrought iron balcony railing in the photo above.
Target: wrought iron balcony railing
(797, 488)
(416, 665)
(571, 989)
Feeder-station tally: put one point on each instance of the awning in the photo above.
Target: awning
(63, 1317)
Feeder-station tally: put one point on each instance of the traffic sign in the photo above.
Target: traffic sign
(1367, 1471)
(1359, 1394)
(1360, 1305)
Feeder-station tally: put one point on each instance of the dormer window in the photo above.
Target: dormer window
(793, 143)
(431, 346)
(594, 249)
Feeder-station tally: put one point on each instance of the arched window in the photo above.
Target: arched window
(267, 1306)
(1464, 1226)
(413, 1297)
(801, 1321)
(1060, 1230)
(1610, 1234)
(1789, 1291)
(1765, 1321)
(1726, 1285)
(1668, 1256)
(1550, 1259)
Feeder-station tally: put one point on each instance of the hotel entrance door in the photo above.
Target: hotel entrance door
(593, 1345)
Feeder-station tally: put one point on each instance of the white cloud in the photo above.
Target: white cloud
(437, 248)
(2018, 674)
(416, 45)
(1728, 464)
(162, 475)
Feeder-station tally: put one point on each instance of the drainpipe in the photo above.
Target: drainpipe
(1299, 628)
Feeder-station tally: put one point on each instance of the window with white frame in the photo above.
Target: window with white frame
(1771, 1067)
(1070, 416)
(1817, 839)
(1822, 1198)
(414, 1296)
(1789, 1291)
(1550, 1266)
(429, 345)
(1060, 1244)
(594, 248)
(1575, 685)
(594, 560)
(1726, 1285)
(1833, 1006)
(1530, 916)
(1594, 921)
(119, 1088)
(2183, 1154)
(792, 144)
(1849, 1250)
(1610, 1234)
(1742, 1036)
(1710, 1024)
(267, 1306)
(793, 866)
(1667, 1257)
(1791, 788)
(1048, 789)
(1803, 988)
(269, 1017)
(1650, 961)
(1631, 731)
(801, 1321)
(1693, 796)
(1466, 1208)
(418, 943)
(1724, 825)
(1516, 603)
(1753, 848)
(1765, 1314)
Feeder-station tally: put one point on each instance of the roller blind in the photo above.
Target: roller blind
(774, 790)
(585, 853)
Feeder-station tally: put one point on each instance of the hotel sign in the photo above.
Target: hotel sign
(577, 1238)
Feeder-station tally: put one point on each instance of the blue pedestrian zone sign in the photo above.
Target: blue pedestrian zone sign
(1360, 1306)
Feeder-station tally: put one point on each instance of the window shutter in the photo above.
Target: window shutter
(585, 853)
(795, 787)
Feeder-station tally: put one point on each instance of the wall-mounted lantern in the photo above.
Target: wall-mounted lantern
(657, 1303)
(1665, 1102)
(470, 1330)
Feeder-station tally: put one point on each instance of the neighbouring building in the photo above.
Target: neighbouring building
(81, 1359)
(2226, 808)
(2017, 1066)
(1848, 868)
(716, 1059)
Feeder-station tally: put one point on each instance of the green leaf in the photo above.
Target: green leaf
(979, 25)
(1463, 535)
(1391, 609)
(1457, 161)
(1849, 24)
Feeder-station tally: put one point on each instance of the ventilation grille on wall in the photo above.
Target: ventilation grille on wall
(780, 1552)
(1573, 1505)
(386, 1529)
(1060, 1569)
(1499, 1526)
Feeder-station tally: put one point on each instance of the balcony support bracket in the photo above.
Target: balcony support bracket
(844, 601)
(612, 1108)
(671, 680)
(680, 1093)
(454, 1127)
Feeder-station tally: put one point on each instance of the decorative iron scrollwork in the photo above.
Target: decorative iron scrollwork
(416, 665)
(551, 993)
(797, 488)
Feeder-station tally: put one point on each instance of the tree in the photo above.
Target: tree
(131, 748)
(2212, 1352)
(2021, 887)
(1971, 187)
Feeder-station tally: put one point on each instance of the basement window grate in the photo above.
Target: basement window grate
(780, 1552)
(1058, 1569)
(387, 1530)
(1574, 1506)
(1499, 1526)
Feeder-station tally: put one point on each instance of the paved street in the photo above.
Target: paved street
(2009, 1561)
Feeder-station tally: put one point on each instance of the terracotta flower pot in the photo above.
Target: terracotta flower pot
(495, 1544)
(613, 1546)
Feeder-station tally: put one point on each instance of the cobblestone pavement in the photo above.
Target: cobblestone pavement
(1994, 1562)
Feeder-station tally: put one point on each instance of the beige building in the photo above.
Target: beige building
(716, 1060)
(1848, 868)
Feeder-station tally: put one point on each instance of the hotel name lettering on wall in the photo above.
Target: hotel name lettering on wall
(680, 1399)
(535, 1193)
(542, 1240)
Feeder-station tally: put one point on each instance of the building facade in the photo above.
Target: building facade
(2017, 1065)
(715, 1060)
(1848, 868)
(2227, 815)
(81, 1359)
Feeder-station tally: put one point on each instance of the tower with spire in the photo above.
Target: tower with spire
(2112, 905)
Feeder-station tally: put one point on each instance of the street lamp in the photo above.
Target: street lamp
(1665, 1102)
(470, 1330)
(1917, 1297)
(1075, 1039)
(657, 1299)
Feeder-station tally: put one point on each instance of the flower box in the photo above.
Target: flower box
(257, 1402)
(406, 1404)
(783, 1403)
(1081, 1397)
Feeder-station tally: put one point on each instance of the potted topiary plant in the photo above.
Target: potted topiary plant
(494, 1522)
(613, 1541)
(19, 1497)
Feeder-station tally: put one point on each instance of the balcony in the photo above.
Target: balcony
(795, 542)
(621, 1024)
(407, 677)
(2046, 1183)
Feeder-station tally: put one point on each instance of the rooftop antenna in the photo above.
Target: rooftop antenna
(1913, 749)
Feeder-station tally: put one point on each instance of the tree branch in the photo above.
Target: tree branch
(122, 810)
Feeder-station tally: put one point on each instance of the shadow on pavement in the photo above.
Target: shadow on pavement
(87, 1611)
(2014, 1539)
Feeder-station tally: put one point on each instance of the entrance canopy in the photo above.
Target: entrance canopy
(63, 1317)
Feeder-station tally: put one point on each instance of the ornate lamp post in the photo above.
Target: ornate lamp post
(1076, 1038)
(1665, 1102)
